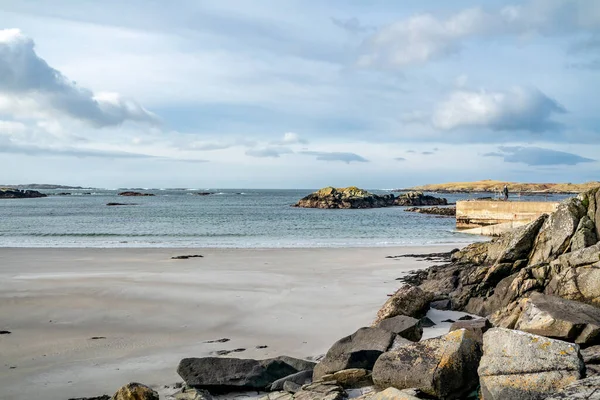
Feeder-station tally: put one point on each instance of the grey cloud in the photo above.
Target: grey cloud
(537, 156)
(591, 43)
(351, 25)
(592, 65)
(411, 151)
(25, 76)
(268, 152)
(400, 159)
(427, 153)
(336, 156)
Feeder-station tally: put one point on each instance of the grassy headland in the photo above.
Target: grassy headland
(493, 186)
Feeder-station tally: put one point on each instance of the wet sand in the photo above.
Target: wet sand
(150, 311)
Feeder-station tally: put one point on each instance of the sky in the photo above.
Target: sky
(298, 93)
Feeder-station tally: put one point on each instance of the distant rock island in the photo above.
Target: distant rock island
(42, 186)
(492, 186)
(353, 197)
(9, 193)
(133, 194)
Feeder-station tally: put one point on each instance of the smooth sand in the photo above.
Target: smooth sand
(154, 311)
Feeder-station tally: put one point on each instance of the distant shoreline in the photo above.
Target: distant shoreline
(494, 187)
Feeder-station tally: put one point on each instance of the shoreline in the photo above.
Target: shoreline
(151, 311)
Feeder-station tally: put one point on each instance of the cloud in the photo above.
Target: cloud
(351, 25)
(425, 37)
(336, 156)
(537, 156)
(290, 138)
(268, 152)
(518, 109)
(400, 159)
(29, 87)
(427, 153)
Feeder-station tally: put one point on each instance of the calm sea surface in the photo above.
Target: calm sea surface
(229, 218)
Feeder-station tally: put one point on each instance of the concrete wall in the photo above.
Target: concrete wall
(477, 213)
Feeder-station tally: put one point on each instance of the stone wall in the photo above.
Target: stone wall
(478, 213)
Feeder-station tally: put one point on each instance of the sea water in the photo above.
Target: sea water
(231, 218)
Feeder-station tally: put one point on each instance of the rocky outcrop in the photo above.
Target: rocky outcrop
(404, 326)
(20, 194)
(135, 391)
(222, 374)
(408, 300)
(315, 391)
(518, 365)
(444, 367)
(553, 317)
(444, 211)
(359, 350)
(350, 197)
(419, 199)
(353, 197)
(585, 389)
(135, 194)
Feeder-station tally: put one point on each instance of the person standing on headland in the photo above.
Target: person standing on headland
(505, 192)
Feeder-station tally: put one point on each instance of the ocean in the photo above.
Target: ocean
(231, 218)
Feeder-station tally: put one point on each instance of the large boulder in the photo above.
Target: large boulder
(350, 197)
(135, 391)
(520, 366)
(444, 367)
(299, 378)
(408, 300)
(515, 245)
(554, 317)
(350, 378)
(359, 350)
(407, 327)
(555, 235)
(585, 235)
(477, 326)
(585, 389)
(419, 199)
(222, 374)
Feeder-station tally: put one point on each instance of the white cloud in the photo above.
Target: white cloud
(268, 152)
(424, 37)
(290, 138)
(30, 88)
(336, 156)
(515, 109)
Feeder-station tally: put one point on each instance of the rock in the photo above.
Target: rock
(224, 374)
(203, 193)
(584, 389)
(591, 355)
(426, 322)
(300, 378)
(477, 326)
(103, 397)
(278, 396)
(291, 387)
(444, 211)
(135, 391)
(444, 367)
(5, 332)
(449, 320)
(518, 365)
(135, 194)
(445, 304)
(585, 235)
(408, 300)
(350, 378)
(193, 394)
(395, 394)
(187, 257)
(223, 340)
(359, 350)
(7, 193)
(350, 197)
(407, 327)
(515, 245)
(121, 204)
(553, 317)
(419, 199)
(320, 391)
(466, 318)
(555, 235)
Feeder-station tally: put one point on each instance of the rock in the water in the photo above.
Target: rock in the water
(521, 366)
(407, 327)
(444, 211)
(135, 391)
(477, 326)
(584, 389)
(300, 378)
(135, 194)
(7, 193)
(408, 300)
(553, 317)
(350, 197)
(359, 350)
(419, 199)
(445, 367)
(395, 394)
(350, 378)
(222, 374)
(103, 397)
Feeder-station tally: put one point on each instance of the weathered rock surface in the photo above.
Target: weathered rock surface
(419, 199)
(585, 235)
(193, 394)
(299, 378)
(314, 391)
(8, 193)
(553, 317)
(476, 326)
(585, 389)
(445, 367)
(359, 350)
(103, 397)
(350, 197)
(407, 327)
(395, 394)
(350, 378)
(135, 194)
(518, 365)
(408, 300)
(135, 391)
(221, 374)
(444, 211)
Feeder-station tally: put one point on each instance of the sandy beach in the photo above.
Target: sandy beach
(150, 310)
